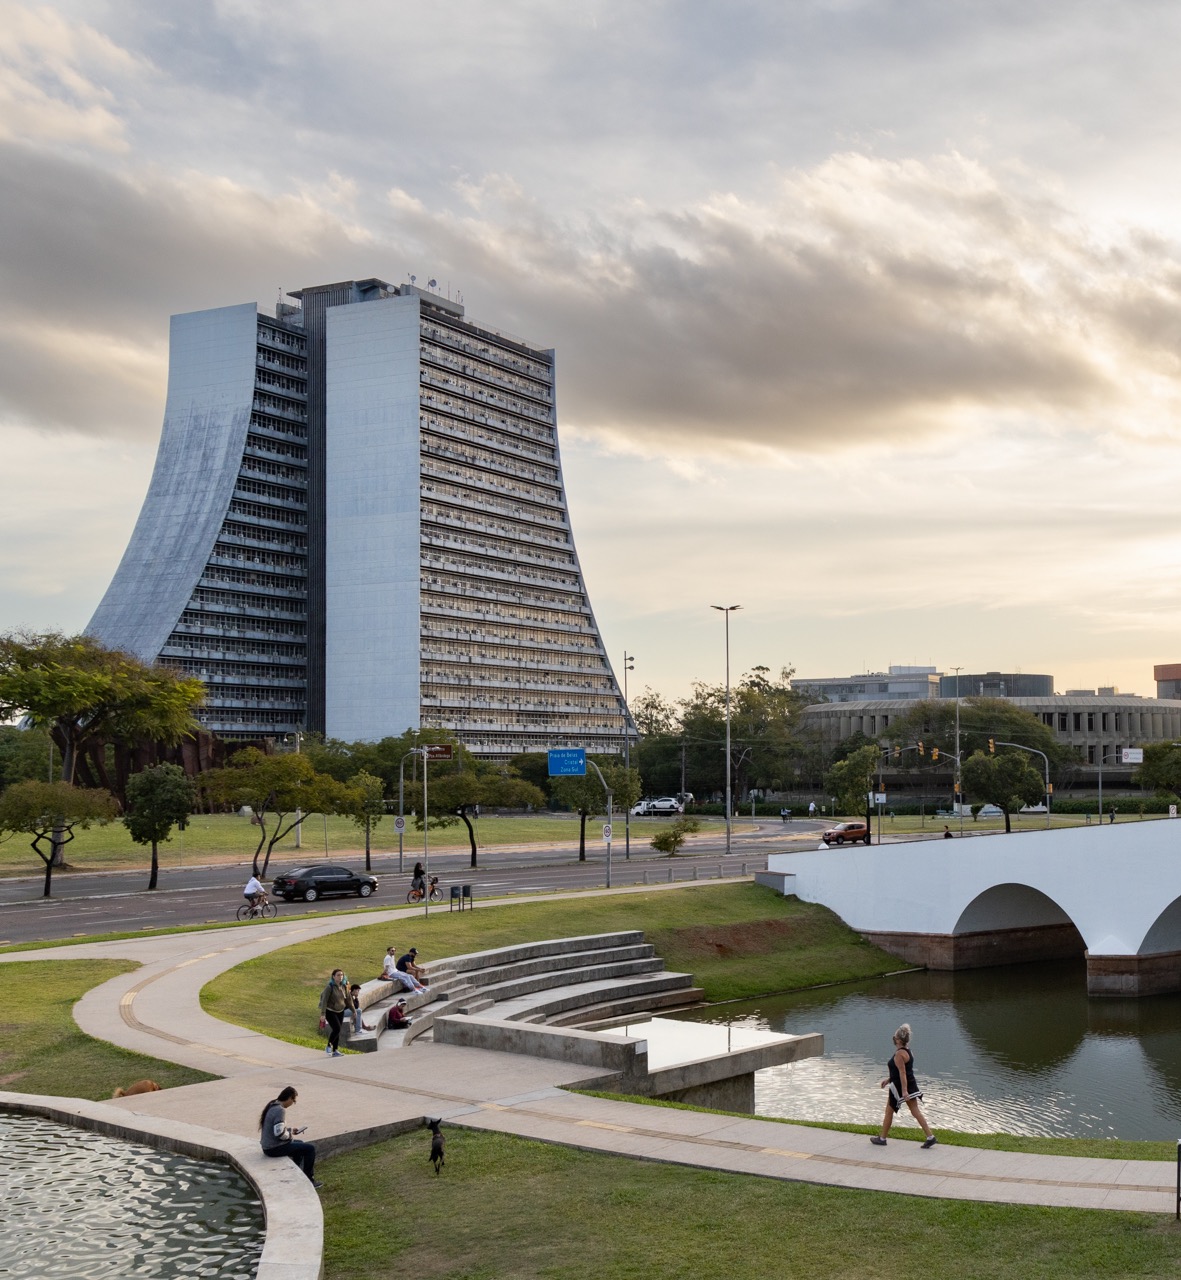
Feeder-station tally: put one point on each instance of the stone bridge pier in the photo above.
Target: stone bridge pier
(1109, 893)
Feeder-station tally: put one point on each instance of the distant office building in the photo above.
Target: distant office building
(897, 682)
(357, 524)
(1168, 679)
(997, 684)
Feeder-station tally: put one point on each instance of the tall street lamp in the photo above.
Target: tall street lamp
(959, 782)
(629, 660)
(727, 610)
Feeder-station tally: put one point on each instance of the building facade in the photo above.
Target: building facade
(997, 684)
(357, 524)
(875, 686)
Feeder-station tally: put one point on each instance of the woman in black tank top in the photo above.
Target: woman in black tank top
(903, 1088)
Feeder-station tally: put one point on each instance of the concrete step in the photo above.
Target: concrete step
(559, 1000)
(496, 975)
(600, 1017)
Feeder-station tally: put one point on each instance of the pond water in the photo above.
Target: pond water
(91, 1207)
(1020, 1049)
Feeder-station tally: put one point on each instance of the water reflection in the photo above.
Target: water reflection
(1019, 1049)
(86, 1206)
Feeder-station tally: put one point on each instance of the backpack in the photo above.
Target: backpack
(396, 1021)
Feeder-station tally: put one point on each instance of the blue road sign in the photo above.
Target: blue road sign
(567, 762)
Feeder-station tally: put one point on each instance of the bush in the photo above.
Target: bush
(670, 839)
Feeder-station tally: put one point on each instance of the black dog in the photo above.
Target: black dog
(436, 1156)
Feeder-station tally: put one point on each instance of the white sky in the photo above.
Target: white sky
(866, 313)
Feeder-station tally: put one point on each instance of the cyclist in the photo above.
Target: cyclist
(254, 893)
(418, 877)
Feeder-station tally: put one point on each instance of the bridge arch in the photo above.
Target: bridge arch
(1164, 934)
(1012, 906)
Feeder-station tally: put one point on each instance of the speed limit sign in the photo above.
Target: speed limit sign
(399, 825)
(607, 832)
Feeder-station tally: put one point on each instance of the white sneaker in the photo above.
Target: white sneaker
(328, 1049)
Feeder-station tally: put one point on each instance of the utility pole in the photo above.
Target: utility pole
(628, 665)
(959, 782)
(727, 610)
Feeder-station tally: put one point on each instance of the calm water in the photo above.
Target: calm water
(1020, 1049)
(82, 1205)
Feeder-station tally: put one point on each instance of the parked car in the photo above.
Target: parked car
(321, 881)
(847, 832)
(665, 805)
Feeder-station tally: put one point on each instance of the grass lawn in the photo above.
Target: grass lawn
(907, 825)
(43, 1051)
(507, 1207)
(227, 838)
(739, 940)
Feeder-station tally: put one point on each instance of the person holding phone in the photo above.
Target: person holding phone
(278, 1138)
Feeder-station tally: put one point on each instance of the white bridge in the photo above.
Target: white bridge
(1111, 893)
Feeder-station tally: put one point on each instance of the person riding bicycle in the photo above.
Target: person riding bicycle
(418, 877)
(254, 893)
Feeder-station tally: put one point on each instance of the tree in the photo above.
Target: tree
(367, 806)
(463, 793)
(1007, 780)
(159, 798)
(587, 797)
(1161, 770)
(50, 812)
(850, 779)
(669, 839)
(88, 697)
(25, 754)
(276, 789)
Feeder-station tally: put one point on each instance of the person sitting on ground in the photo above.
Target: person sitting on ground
(391, 973)
(409, 964)
(278, 1138)
(254, 893)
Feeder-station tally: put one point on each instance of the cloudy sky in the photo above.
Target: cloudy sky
(867, 313)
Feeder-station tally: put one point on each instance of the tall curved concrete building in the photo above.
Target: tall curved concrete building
(357, 524)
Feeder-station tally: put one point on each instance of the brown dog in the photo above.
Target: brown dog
(140, 1086)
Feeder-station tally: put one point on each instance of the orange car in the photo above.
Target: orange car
(847, 831)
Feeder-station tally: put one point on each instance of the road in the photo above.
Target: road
(87, 903)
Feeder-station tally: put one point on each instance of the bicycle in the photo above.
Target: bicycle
(264, 909)
(416, 892)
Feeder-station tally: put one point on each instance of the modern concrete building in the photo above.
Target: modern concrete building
(357, 524)
(1168, 679)
(997, 684)
(874, 686)
(1096, 727)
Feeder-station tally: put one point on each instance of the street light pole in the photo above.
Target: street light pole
(628, 665)
(727, 610)
(959, 781)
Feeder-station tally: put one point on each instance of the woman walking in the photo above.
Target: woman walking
(903, 1088)
(334, 1000)
(278, 1137)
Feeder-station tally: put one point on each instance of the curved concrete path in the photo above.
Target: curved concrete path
(352, 1100)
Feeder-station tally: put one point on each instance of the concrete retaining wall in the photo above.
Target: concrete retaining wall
(598, 1049)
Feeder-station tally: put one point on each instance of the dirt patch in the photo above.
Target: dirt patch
(11, 1079)
(747, 938)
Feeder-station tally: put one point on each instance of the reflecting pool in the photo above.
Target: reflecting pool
(1020, 1049)
(87, 1206)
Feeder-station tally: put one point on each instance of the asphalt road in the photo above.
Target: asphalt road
(86, 903)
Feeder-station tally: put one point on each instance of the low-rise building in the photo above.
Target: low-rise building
(895, 684)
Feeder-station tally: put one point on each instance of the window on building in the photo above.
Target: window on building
(1117, 722)
(873, 725)
(1103, 721)
(1090, 755)
(1078, 721)
(1062, 721)
(1090, 722)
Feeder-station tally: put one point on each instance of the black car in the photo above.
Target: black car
(321, 880)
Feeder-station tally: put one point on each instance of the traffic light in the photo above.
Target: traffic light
(992, 746)
(897, 753)
(921, 751)
(957, 788)
(934, 754)
(1050, 789)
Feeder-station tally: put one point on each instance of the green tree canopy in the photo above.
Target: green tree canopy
(50, 812)
(366, 807)
(159, 798)
(1006, 779)
(279, 790)
(25, 754)
(1161, 770)
(87, 696)
(851, 779)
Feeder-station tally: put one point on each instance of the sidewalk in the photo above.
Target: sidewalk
(354, 1099)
